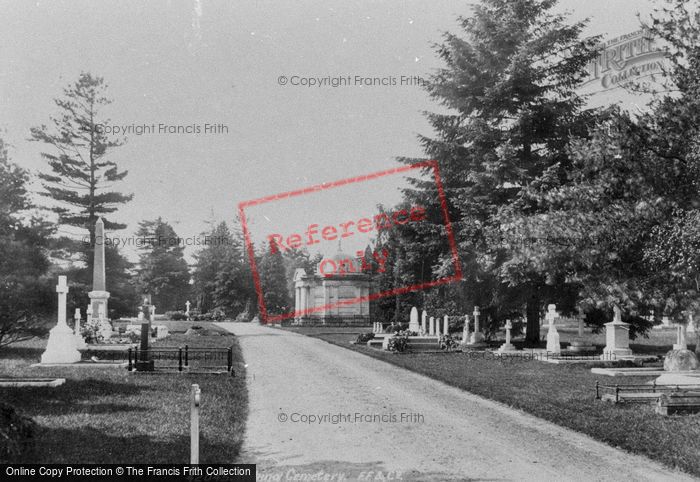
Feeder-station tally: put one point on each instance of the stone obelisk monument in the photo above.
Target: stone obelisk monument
(99, 294)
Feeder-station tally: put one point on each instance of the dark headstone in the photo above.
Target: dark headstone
(144, 363)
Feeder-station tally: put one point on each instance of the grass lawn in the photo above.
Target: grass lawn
(563, 394)
(107, 415)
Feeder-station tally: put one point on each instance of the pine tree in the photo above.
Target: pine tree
(509, 85)
(81, 171)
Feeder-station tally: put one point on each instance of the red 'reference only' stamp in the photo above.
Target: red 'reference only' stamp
(341, 287)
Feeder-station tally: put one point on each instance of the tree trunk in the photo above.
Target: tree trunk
(532, 338)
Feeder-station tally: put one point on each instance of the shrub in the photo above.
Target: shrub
(447, 343)
(396, 327)
(364, 338)
(399, 342)
(91, 331)
(176, 315)
(16, 435)
(218, 314)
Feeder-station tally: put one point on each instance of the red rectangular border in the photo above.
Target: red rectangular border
(432, 164)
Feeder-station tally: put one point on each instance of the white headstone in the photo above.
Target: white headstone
(61, 347)
(424, 323)
(617, 337)
(187, 310)
(465, 331)
(79, 340)
(432, 326)
(446, 325)
(161, 331)
(681, 343)
(553, 345)
(413, 321)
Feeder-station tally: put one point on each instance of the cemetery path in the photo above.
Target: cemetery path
(445, 434)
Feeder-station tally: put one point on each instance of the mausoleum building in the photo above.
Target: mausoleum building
(338, 296)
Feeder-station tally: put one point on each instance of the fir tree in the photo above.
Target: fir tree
(509, 85)
(163, 271)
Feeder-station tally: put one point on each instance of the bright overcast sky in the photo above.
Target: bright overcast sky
(191, 63)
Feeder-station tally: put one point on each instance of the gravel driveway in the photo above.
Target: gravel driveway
(321, 412)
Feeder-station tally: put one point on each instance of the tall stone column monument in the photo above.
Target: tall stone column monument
(99, 294)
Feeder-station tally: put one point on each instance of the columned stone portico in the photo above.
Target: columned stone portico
(327, 299)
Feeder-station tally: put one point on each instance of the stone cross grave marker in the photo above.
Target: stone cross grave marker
(477, 337)
(61, 347)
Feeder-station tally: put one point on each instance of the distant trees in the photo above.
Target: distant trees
(25, 290)
(222, 276)
(163, 271)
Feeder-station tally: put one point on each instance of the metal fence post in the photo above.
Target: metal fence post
(179, 359)
(194, 424)
(187, 356)
(597, 390)
(129, 367)
(229, 361)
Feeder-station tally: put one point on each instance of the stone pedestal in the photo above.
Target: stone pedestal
(413, 324)
(424, 323)
(144, 362)
(61, 347)
(105, 327)
(617, 338)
